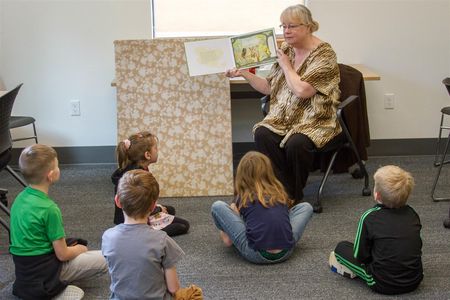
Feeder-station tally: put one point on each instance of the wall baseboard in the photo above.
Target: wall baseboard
(79, 155)
(106, 154)
(381, 147)
(400, 147)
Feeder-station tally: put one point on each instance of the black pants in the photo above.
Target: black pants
(344, 255)
(291, 163)
(177, 227)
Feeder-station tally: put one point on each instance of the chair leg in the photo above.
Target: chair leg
(35, 134)
(5, 209)
(3, 198)
(437, 161)
(6, 225)
(16, 176)
(362, 168)
(3, 222)
(366, 190)
(317, 206)
(436, 179)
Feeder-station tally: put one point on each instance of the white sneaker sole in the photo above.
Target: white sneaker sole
(71, 292)
(337, 267)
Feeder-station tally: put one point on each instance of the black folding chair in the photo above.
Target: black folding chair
(341, 141)
(6, 105)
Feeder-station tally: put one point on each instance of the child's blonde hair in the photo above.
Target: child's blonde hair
(255, 179)
(36, 161)
(138, 190)
(394, 185)
(132, 150)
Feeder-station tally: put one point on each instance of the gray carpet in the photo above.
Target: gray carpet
(85, 197)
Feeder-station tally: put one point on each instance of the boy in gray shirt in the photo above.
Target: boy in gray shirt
(141, 260)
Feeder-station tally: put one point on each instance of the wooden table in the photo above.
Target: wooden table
(241, 89)
(367, 73)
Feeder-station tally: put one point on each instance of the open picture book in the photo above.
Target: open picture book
(241, 51)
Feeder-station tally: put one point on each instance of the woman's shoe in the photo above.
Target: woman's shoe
(447, 223)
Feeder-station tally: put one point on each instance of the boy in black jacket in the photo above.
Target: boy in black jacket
(388, 248)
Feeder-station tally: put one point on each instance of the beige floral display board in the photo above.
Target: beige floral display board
(190, 115)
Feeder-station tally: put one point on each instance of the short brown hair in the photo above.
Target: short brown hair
(36, 161)
(394, 185)
(138, 190)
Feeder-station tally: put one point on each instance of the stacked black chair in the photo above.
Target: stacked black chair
(5, 209)
(440, 157)
(20, 121)
(6, 105)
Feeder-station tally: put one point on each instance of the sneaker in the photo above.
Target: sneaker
(71, 292)
(338, 267)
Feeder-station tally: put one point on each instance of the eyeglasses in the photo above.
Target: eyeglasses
(290, 26)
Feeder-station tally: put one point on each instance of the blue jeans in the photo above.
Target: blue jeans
(233, 225)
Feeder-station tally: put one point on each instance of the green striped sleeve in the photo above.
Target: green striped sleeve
(358, 232)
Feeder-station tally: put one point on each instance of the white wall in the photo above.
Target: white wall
(63, 50)
(408, 44)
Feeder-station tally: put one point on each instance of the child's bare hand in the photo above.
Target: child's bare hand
(234, 207)
(80, 248)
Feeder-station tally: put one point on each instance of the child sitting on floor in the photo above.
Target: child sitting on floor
(260, 224)
(142, 260)
(388, 249)
(138, 152)
(45, 262)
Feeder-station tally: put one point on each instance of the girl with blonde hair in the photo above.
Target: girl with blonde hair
(260, 223)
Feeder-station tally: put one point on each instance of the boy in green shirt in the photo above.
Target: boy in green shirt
(44, 263)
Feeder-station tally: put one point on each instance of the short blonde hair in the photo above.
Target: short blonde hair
(394, 185)
(138, 190)
(36, 161)
(301, 14)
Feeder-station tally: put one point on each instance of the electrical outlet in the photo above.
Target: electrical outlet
(389, 102)
(75, 108)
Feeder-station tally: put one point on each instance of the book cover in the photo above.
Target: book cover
(241, 51)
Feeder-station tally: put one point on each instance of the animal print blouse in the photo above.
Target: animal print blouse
(314, 117)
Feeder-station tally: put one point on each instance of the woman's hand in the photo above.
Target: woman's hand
(283, 60)
(233, 73)
(258, 83)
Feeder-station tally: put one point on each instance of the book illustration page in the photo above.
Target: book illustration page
(254, 49)
(208, 56)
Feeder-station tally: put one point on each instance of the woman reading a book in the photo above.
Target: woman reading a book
(304, 93)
